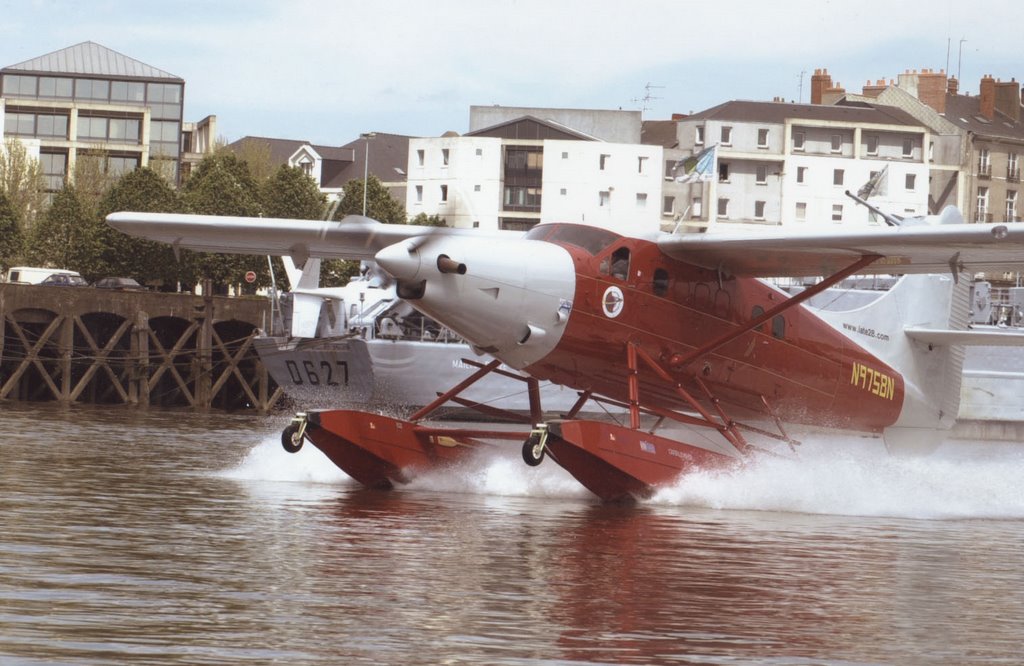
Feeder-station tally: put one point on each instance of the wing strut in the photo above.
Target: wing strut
(680, 361)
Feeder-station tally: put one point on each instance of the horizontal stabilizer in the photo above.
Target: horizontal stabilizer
(973, 337)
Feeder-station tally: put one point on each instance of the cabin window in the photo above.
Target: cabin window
(660, 284)
(617, 265)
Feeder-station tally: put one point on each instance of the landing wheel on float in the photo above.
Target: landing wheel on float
(533, 447)
(294, 434)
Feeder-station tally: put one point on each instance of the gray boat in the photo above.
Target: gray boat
(361, 347)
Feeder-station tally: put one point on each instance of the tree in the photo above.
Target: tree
(222, 185)
(425, 220)
(92, 179)
(11, 238)
(143, 190)
(290, 193)
(380, 205)
(67, 236)
(255, 153)
(21, 179)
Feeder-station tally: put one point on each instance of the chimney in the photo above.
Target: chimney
(819, 82)
(1008, 99)
(931, 89)
(987, 92)
(874, 89)
(953, 86)
(833, 94)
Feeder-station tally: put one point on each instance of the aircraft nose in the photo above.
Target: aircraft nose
(401, 260)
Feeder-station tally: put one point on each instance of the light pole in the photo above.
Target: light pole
(366, 165)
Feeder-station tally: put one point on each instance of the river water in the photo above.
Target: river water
(172, 538)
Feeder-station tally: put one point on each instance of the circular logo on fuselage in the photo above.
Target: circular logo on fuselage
(612, 302)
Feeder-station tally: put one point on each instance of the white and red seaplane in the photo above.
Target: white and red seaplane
(681, 331)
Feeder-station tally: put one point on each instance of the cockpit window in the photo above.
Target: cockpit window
(616, 264)
(591, 239)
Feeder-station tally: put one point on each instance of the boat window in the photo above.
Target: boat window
(778, 327)
(591, 239)
(660, 281)
(756, 312)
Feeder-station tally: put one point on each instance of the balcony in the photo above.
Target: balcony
(985, 171)
(1013, 176)
(980, 216)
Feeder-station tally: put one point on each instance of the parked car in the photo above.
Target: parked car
(35, 275)
(121, 283)
(64, 280)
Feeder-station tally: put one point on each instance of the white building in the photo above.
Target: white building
(529, 170)
(791, 164)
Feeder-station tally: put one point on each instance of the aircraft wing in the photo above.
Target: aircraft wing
(927, 248)
(354, 237)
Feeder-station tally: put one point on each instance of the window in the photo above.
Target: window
(981, 209)
(619, 263)
(641, 166)
(444, 194)
(565, 154)
(420, 157)
(801, 211)
(1011, 206)
(762, 138)
(837, 143)
(699, 140)
(641, 200)
(668, 205)
(837, 176)
(419, 194)
(56, 126)
(778, 327)
(603, 162)
(696, 208)
(726, 135)
(761, 174)
(984, 162)
(798, 140)
(50, 86)
(837, 212)
(127, 130)
(801, 174)
(1012, 168)
(128, 91)
(54, 166)
(479, 152)
(908, 147)
(872, 144)
(910, 181)
(563, 191)
(92, 128)
(476, 188)
(660, 284)
(20, 123)
(723, 172)
(444, 156)
(759, 210)
(20, 86)
(604, 198)
(92, 89)
(723, 208)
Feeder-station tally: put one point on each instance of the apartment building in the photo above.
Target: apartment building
(532, 167)
(791, 164)
(977, 140)
(88, 101)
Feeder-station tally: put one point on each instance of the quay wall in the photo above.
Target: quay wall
(144, 348)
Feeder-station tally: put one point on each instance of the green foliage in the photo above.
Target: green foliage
(11, 237)
(143, 190)
(428, 220)
(337, 272)
(222, 185)
(380, 205)
(21, 180)
(67, 237)
(290, 193)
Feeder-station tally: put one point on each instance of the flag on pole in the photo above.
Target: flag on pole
(875, 185)
(696, 168)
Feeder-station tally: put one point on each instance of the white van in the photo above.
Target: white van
(33, 275)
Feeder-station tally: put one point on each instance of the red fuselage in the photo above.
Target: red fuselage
(806, 370)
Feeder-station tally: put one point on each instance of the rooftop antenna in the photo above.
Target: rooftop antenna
(800, 89)
(959, 58)
(647, 98)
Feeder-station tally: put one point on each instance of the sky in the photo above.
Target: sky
(325, 72)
